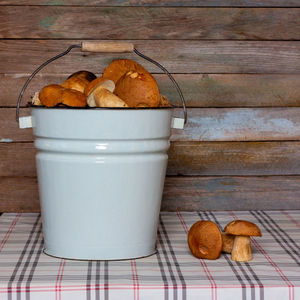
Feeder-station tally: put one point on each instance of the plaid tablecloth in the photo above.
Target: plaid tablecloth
(173, 273)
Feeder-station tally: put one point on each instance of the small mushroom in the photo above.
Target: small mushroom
(36, 100)
(108, 84)
(228, 240)
(205, 240)
(163, 101)
(103, 84)
(104, 98)
(242, 230)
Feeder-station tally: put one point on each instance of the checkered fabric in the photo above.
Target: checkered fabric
(173, 273)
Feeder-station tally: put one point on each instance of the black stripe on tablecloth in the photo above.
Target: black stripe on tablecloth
(97, 280)
(162, 270)
(239, 278)
(260, 284)
(106, 281)
(21, 257)
(284, 233)
(28, 260)
(182, 281)
(34, 265)
(88, 280)
(274, 233)
(168, 263)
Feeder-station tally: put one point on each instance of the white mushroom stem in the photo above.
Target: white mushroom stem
(241, 250)
(104, 98)
(227, 240)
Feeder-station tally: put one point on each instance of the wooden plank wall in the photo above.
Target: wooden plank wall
(238, 63)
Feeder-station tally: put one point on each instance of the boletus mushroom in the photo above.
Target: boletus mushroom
(242, 230)
(205, 240)
(228, 240)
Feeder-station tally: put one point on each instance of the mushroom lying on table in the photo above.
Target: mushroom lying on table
(242, 230)
(205, 240)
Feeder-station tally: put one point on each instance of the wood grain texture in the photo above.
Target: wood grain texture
(204, 124)
(188, 158)
(20, 194)
(24, 56)
(231, 193)
(17, 159)
(61, 22)
(234, 158)
(200, 90)
(159, 3)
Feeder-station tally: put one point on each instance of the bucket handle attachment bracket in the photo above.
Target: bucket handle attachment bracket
(103, 47)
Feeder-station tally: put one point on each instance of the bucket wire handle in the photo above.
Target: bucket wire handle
(36, 71)
(114, 47)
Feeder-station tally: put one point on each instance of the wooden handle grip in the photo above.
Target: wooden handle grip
(113, 47)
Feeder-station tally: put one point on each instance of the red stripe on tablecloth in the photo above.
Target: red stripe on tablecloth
(205, 268)
(135, 279)
(57, 280)
(58, 287)
(10, 229)
(278, 270)
(61, 277)
(290, 217)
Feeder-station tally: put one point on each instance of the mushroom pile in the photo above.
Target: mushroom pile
(205, 240)
(124, 83)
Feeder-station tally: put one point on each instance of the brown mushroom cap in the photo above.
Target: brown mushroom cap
(51, 95)
(117, 68)
(138, 89)
(205, 240)
(76, 83)
(241, 227)
(73, 98)
(89, 76)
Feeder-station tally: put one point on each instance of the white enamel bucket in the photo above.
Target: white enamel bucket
(101, 175)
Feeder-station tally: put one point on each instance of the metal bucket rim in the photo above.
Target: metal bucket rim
(100, 108)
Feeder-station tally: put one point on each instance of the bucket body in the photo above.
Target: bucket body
(101, 175)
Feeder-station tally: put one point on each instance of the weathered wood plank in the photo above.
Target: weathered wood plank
(188, 158)
(240, 124)
(200, 90)
(153, 23)
(204, 124)
(20, 194)
(231, 193)
(234, 158)
(159, 3)
(17, 159)
(23, 56)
